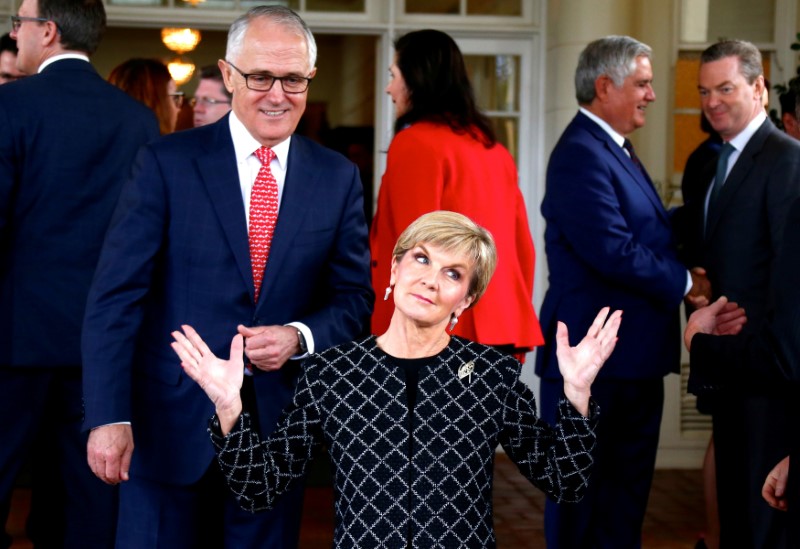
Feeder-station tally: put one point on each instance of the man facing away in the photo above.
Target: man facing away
(68, 139)
(211, 100)
(737, 231)
(609, 241)
(195, 241)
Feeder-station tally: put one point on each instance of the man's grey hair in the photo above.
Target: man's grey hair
(277, 14)
(749, 57)
(612, 56)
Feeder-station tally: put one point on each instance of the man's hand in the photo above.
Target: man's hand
(269, 347)
(774, 490)
(719, 318)
(109, 452)
(700, 293)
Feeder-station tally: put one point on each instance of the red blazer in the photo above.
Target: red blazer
(430, 168)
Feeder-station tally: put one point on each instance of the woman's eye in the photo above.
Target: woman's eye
(421, 258)
(455, 275)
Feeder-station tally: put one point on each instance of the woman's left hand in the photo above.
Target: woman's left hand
(579, 365)
(220, 379)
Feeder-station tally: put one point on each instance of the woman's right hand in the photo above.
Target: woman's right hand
(220, 379)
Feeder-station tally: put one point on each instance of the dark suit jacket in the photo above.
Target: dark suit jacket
(744, 231)
(609, 242)
(177, 252)
(743, 236)
(771, 354)
(67, 142)
(772, 350)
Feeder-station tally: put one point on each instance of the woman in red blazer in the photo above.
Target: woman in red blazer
(444, 156)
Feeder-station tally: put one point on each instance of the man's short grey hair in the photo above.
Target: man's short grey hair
(612, 56)
(750, 65)
(277, 14)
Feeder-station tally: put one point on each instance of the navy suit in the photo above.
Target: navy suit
(67, 142)
(609, 243)
(177, 252)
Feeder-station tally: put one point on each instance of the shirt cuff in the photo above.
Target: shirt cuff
(306, 331)
(688, 284)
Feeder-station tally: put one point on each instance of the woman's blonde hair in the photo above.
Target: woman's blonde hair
(455, 233)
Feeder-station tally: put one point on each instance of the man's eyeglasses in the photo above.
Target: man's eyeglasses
(263, 82)
(177, 98)
(207, 101)
(17, 20)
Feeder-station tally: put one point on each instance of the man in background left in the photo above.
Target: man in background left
(211, 100)
(68, 141)
(8, 60)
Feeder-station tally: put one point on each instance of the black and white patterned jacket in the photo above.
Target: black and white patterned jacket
(429, 488)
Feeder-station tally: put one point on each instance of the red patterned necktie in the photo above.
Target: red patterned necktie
(263, 216)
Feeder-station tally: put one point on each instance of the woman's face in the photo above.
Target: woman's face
(398, 91)
(174, 108)
(430, 284)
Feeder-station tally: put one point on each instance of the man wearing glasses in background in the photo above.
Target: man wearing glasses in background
(212, 100)
(68, 138)
(195, 240)
(8, 60)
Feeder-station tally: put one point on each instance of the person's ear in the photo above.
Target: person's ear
(468, 300)
(227, 76)
(51, 34)
(601, 87)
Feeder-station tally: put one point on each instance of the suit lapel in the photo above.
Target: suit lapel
(738, 174)
(641, 177)
(218, 171)
(301, 179)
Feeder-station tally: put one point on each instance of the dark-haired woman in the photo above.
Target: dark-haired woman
(445, 156)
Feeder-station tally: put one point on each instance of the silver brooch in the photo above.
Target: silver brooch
(465, 370)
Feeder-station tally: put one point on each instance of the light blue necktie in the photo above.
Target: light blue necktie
(722, 168)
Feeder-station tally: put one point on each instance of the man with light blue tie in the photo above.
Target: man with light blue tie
(735, 231)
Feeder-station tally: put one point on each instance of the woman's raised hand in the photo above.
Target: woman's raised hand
(579, 365)
(220, 379)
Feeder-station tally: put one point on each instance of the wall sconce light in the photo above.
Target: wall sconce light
(180, 41)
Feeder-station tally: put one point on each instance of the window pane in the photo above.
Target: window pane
(494, 7)
(709, 20)
(353, 6)
(745, 19)
(507, 130)
(496, 81)
(432, 6)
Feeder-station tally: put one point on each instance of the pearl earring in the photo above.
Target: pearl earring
(388, 291)
(453, 322)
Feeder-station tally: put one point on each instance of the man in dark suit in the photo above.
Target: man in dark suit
(609, 243)
(68, 139)
(736, 229)
(178, 252)
(769, 353)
